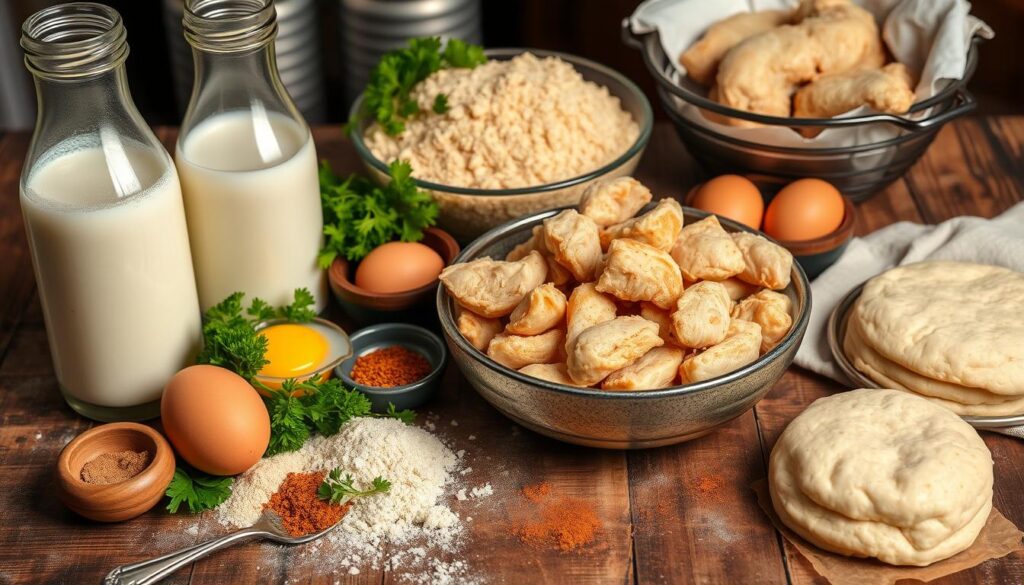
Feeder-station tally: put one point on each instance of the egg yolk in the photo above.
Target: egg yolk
(293, 350)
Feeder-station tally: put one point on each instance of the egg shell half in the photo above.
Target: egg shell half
(398, 267)
(215, 420)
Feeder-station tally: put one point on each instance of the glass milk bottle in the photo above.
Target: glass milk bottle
(105, 222)
(247, 162)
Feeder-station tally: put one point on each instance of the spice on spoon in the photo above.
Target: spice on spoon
(390, 366)
(314, 501)
(115, 467)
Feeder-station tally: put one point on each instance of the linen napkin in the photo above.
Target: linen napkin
(998, 241)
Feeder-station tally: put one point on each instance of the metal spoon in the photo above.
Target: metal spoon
(267, 527)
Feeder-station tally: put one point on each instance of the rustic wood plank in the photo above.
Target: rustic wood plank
(961, 175)
(1007, 132)
(16, 281)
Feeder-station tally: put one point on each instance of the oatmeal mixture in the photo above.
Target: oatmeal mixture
(518, 123)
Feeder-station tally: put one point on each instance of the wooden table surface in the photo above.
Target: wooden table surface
(680, 514)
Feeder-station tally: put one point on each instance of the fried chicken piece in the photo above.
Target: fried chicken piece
(635, 271)
(740, 347)
(885, 90)
(610, 346)
(614, 201)
(760, 74)
(517, 351)
(586, 307)
(541, 310)
(657, 368)
(493, 288)
(702, 58)
(704, 251)
(658, 227)
(574, 241)
(555, 373)
(701, 318)
(770, 310)
(766, 263)
(478, 331)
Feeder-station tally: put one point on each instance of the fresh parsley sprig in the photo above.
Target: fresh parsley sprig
(298, 409)
(229, 340)
(196, 490)
(387, 98)
(360, 215)
(338, 490)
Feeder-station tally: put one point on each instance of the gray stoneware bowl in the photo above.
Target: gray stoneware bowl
(617, 420)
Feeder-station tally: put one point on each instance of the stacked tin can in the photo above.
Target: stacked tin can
(298, 55)
(370, 28)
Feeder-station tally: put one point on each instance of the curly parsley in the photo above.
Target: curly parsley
(342, 490)
(196, 490)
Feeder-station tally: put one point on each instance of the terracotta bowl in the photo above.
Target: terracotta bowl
(114, 502)
(415, 305)
(818, 254)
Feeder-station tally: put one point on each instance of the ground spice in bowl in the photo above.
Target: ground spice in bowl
(301, 511)
(115, 467)
(390, 366)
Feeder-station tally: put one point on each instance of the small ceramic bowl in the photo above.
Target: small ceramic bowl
(418, 339)
(366, 307)
(114, 502)
(340, 348)
(818, 254)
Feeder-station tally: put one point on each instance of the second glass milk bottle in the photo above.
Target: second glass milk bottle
(105, 222)
(247, 162)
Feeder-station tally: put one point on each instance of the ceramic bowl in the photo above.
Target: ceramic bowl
(114, 502)
(365, 307)
(340, 348)
(617, 420)
(418, 339)
(468, 212)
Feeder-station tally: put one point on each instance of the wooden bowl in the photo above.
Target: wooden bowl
(369, 307)
(114, 502)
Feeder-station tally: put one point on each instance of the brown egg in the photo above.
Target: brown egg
(398, 267)
(804, 210)
(731, 196)
(215, 420)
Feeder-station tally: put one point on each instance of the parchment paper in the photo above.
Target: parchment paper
(930, 37)
(997, 539)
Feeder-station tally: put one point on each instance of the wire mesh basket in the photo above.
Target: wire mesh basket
(858, 170)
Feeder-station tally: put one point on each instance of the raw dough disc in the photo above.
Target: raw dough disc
(884, 474)
(951, 321)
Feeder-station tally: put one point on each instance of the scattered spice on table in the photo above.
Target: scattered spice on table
(563, 523)
(709, 487)
(115, 467)
(301, 511)
(390, 366)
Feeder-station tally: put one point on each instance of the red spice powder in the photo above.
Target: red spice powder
(709, 487)
(390, 366)
(563, 523)
(301, 511)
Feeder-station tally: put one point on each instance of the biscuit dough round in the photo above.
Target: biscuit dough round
(951, 321)
(884, 474)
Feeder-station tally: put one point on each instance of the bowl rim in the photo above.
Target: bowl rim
(504, 53)
(435, 372)
(796, 332)
(327, 367)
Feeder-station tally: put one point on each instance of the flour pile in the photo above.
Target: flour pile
(421, 469)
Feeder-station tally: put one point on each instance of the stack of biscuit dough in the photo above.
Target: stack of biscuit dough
(883, 474)
(951, 332)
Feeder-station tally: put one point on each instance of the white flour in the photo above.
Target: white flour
(413, 512)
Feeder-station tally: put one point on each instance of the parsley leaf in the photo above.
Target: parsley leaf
(387, 98)
(338, 490)
(298, 409)
(440, 104)
(229, 340)
(196, 490)
(360, 215)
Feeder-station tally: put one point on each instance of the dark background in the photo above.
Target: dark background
(589, 28)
